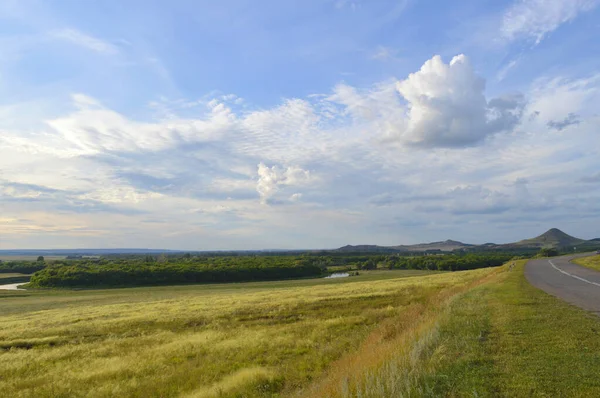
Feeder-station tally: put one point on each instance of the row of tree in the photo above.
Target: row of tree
(143, 270)
(438, 262)
(21, 266)
(83, 274)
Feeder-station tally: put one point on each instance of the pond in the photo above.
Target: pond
(338, 275)
(11, 286)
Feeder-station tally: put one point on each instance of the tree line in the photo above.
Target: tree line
(146, 272)
(21, 266)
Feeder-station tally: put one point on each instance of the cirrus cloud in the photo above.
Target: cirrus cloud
(534, 19)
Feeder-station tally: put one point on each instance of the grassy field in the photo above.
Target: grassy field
(592, 262)
(252, 339)
(503, 338)
(482, 333)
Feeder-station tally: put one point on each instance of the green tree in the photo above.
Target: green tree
(548, 252)
(40, 259)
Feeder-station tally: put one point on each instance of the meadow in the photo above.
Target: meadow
(258, 339)
(408, 333)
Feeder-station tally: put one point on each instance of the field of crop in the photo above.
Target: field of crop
(251, 339)
(592, 262)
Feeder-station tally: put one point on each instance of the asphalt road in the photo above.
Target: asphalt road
(573, 283)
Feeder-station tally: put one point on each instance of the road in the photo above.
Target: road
(573, 283)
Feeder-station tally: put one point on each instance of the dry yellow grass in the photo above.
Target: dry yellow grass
(390, 361)
(500, 337)
(256, 339)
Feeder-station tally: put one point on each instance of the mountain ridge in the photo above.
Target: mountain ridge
(554, 238)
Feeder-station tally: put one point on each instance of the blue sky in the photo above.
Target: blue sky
(313, 124)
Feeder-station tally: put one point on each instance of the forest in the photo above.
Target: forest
(147, 270)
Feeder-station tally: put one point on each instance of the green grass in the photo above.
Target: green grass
(503, 338)
(259, 339)
(592, 262)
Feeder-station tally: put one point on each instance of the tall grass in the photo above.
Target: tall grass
(250, 340)
(501, 337)
(397, 356)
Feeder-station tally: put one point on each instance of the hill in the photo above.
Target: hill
(554, 237)
(445, 246)
(442, 246)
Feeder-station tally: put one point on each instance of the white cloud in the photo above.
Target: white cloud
(381, 102)
(271, 178)
(119, 194)
(503, 72)
(179, 178)
(94, 129)
(281, 132)
(84, 40)
(534, 19)
(553, 99)
(383, 53)
(447, 106)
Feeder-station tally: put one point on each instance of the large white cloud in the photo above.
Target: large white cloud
(447, 106)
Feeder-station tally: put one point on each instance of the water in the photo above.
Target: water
(11, 286)
(338, 275)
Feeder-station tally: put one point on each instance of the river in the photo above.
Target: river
(11, 286)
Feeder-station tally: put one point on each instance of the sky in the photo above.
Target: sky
(238, 124)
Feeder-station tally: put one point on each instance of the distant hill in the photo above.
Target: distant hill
(444, 246)
(366, 249)
(554, 237)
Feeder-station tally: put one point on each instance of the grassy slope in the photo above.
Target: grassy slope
(252, 339)
(592, 262)
(502, 338)
(477, 333)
